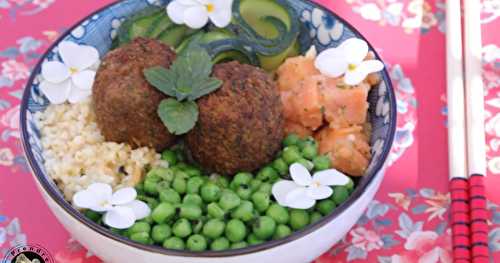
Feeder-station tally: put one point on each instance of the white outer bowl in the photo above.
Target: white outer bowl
(301, 250)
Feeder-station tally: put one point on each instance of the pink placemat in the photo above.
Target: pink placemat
(407, 221)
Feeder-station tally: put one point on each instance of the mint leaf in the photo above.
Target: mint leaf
(207, 87)
(178, 117)
(162, 79)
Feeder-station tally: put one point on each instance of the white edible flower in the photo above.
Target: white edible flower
(348, 59)
(196, 13)
(72, 79)
(304, 190)
(121, 208)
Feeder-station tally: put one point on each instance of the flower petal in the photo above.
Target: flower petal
(196, 17)
(355, 50)
(141, 209)
(55, 72)
(221, 17)
(119, 217)
(281, 189)
(300, 174)
(330, 177)
(319, 192)
(76, 56)
(124, 196)
(331, 62)
(77, 95)
(101, 188)
(84, 80)
(175, 11)
(372, 65)
(56, 93)
(356, 76)
(85, 199)
(188, 2)
(299, 199)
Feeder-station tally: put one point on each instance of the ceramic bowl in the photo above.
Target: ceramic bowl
(325, 29)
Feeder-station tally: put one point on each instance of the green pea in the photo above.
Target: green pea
(152, 202)
(153, 176)
(170, 196)
(350, 185)
(160, 233)
(179, 185)
(196, 243)
(239, 245)
(213, 228)
(180, 174)
(280, 166)
(261, 201)
(161, 173)
(214, 211)
(255, 184)
(241, 178)
(306, 163)
(163, 212)
(210, 192)
(219, 244)
(278, 213)
(139, 227)
(182, 228)
(244, 192)
(264, 227)
(169, 156)
(229, 200)
(190, 211)
(310, 151)
(192, 171)
(193, 199)
(303, 143)
(148, 219)
(315, 217)
(174, 243)
(142, 237)
(235, 230)
(252, 239)
(291, 154)
(150, 187)
(291, 139)
(340, 194)
(267, 173)
(182, 165)
(322, 162)
(298, 219)
(194, 184)
(325, 207)
(198, 226)
(265, 188)
(162, 186)
(282, 231)
(244, 211)
(92, 215)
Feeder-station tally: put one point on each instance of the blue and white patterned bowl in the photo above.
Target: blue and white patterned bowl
(326, 30)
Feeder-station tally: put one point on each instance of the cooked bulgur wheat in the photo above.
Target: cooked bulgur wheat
(76, 154)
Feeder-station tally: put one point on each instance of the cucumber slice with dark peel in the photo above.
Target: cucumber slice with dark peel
(219, 46)
(216, 35)
(173, 36)
(230, 56)
(124, 31)
(143, 26)
(187, 41)
(270, 63)
(162, 24)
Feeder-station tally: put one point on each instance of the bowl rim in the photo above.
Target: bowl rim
(54, 193)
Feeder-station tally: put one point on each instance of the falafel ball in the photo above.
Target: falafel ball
(241, 125)
(124, 102)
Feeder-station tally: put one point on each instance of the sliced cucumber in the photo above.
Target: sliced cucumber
(173, 36)
(253, 11)
(270, 63)
(216, 35)
(230, 56)
(162, 24)
(124, 35)
(143, 26)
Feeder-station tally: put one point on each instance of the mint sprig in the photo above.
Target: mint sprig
(186, 80)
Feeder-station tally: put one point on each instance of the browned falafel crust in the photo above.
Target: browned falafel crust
(241, 125)
(124, 102)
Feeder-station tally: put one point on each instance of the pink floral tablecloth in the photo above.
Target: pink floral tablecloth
(407, 221)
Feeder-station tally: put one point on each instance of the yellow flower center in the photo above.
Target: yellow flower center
(317, 184)
(352, 67)
(73, 70)
(104, 203)
(210, 7)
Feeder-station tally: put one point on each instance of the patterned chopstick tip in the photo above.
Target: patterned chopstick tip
(478, 219)
(460, 219)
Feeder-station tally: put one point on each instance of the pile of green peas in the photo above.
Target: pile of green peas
(198, 213)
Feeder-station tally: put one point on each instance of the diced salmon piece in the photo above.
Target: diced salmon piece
(307, 102)
(345, 107)
(294, 70)
(348, 149)
(293, 127)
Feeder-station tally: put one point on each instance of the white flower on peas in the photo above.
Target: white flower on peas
(304, 190)
(72, 79)
(348, 59)
(196, 13)
(120, 208)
